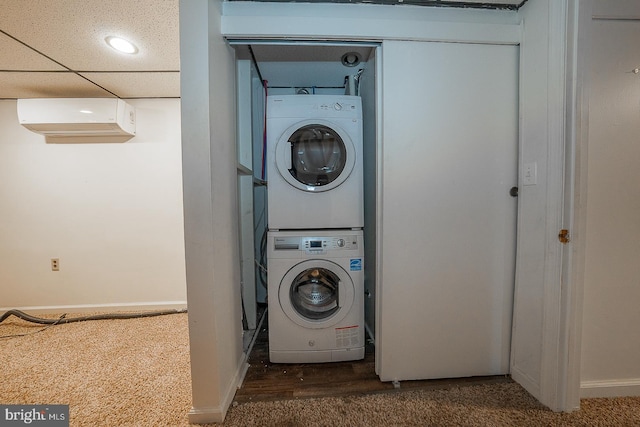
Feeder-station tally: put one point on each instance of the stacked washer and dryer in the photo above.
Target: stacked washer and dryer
(315, 249)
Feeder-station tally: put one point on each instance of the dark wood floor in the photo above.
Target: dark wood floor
(276, 381)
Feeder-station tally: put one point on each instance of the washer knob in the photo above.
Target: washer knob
(337, 106)
(340, 243)
(312, 343)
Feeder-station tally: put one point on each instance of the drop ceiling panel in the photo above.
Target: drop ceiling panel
(73, 32)
(16, 56)
(47, 85)
(139, 85)
(68, 35)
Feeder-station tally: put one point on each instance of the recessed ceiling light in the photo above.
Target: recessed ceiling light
(121, 45)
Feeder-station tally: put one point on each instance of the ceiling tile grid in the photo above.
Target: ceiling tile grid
(68, 37)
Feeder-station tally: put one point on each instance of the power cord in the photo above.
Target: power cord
(64, 319)
(35, 332)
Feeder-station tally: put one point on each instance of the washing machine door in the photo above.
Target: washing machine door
(315, 155)
(316, 293)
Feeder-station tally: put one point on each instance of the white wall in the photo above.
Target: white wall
(111, 212)
(207, 84)
(611, 343)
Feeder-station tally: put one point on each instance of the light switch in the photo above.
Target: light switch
(530, 174)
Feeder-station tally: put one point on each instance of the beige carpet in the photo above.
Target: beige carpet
(111, 372)
(136, 373)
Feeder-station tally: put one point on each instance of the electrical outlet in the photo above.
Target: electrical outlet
(55, 264)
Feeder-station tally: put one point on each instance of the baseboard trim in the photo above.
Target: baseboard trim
(217, 414)
(610, 388)
(86, 308)
(525, 381)
(206, 415)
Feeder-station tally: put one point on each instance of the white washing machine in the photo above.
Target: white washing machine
(314, 162)
(316, 296)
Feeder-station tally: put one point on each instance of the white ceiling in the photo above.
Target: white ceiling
(56, 48)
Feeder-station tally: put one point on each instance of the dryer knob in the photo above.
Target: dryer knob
(312, 343)
(337, 106)
(340, 243)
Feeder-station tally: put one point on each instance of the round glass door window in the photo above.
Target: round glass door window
(318, 155)
(315, 156)
(314, 293)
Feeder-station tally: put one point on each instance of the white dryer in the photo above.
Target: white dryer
(314, 162)
(316, 296)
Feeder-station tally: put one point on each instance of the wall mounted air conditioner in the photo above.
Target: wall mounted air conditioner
(78, 119)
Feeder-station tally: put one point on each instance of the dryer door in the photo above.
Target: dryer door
(316, 293)
(315, 155)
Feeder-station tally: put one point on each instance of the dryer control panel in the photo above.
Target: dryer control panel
(316, 106)
(338, 106)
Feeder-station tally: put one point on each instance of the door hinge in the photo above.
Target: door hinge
(563, 236)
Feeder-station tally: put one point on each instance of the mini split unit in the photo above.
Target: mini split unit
(63, 120)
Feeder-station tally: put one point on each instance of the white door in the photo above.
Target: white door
(447, 222)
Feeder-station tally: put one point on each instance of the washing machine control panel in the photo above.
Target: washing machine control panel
(316, 244)
(321, 244)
